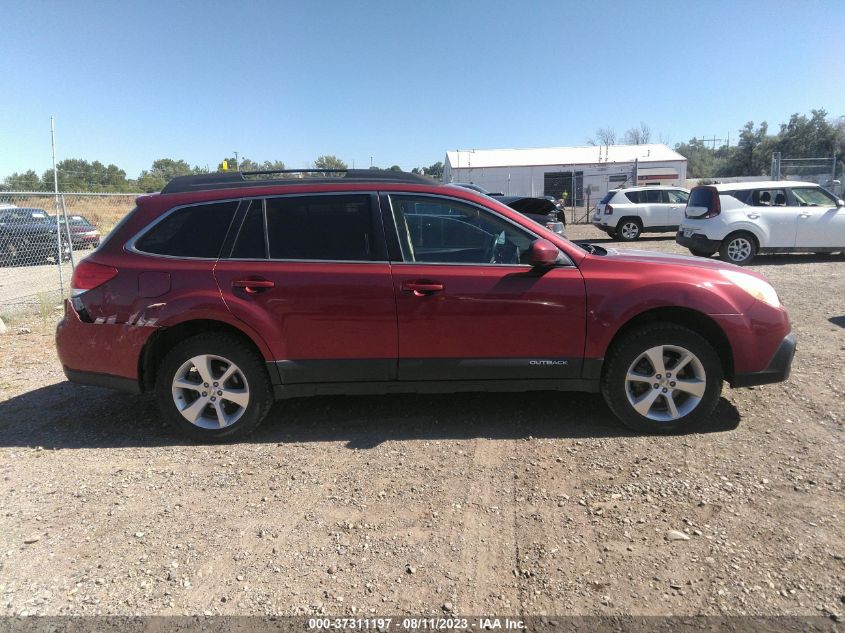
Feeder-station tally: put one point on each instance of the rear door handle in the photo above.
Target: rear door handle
(253, 286)
(422, 287)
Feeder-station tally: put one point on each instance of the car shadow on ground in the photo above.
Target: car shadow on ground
(644, 238)
(796, 258)
(838, 320)
(67, 416)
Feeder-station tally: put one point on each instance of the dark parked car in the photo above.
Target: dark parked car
(83, 234)
(28, 236)
(222, 293)
(544, 210)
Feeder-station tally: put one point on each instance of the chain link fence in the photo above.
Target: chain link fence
(38, 251)
(823, 170)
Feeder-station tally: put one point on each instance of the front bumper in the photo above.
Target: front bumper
(776, 371)
(698, 242)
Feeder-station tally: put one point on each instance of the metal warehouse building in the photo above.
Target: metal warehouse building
(589, 172)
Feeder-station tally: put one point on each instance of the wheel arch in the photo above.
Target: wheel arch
(693, 319)
(753, 230)
(165, 338)
(636, 218)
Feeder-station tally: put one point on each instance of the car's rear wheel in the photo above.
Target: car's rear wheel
(629, 229)
(213, 387)
(9, 253)
(701, 253)
(662, 378)
(738, 248)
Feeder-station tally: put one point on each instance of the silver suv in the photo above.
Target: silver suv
(625, 214)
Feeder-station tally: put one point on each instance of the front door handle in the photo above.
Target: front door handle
(253, 286)
(422, 287)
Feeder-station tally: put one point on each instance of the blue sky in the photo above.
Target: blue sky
(400, 81)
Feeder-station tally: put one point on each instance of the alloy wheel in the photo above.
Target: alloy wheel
(665, 382)
(739, 249)
(210, 391)
(630, 230)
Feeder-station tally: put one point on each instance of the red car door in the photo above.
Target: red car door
(468, 309)
(309, 273)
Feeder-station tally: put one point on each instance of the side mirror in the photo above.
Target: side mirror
(542, 254)
(840, 203)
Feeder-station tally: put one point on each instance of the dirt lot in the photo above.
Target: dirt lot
(474, 504)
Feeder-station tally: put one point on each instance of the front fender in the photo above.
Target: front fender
(615, 296)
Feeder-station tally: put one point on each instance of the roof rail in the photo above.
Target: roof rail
(234, 179)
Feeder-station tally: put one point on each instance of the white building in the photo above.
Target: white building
(589, 172)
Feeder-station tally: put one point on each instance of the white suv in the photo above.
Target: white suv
(626, 213)
(741, 219)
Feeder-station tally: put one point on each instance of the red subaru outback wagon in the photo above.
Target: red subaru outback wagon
(227, 291)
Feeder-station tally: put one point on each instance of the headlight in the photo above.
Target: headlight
(757, 288)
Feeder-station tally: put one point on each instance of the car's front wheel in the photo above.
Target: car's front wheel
(662, 378)
(738, 248)
(213, 387)
(629, 229)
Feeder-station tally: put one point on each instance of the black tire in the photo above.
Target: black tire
(738, 248)
(252, 371)
(631, 348)
(629, 229)
(9, 254)
(700, 253)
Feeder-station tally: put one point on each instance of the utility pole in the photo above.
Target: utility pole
(56, 190)
(236, 160)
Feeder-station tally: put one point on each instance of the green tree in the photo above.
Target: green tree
(752, 155)
(433, 171)
(162, 171)
(329, 162)
(803, 137)
(26, 181)
(248, 164)
(702, 161)
(76, 174)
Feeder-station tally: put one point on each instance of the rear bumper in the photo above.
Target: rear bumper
(698, 242)
(118, 383)
(101, 354)
(776, 371)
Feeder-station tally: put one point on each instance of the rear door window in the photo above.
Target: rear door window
(251, 241)
(195, 231)
(767, 198)
(652, 196)
(323, 227)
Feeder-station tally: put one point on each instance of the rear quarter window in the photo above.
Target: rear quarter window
(635, 196)
(196, 231)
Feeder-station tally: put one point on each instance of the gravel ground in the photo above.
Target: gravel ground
(470, 504)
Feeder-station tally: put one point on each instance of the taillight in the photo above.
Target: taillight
(88, 275)
(608, 210)
(715, 205)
